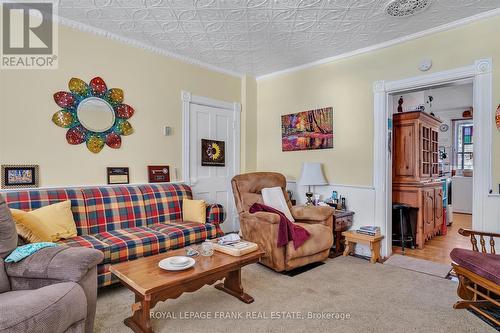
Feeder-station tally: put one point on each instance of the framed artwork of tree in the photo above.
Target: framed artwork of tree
(307, 130)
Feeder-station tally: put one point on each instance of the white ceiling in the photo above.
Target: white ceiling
(458, 97)
(449, 99)
(261, 36)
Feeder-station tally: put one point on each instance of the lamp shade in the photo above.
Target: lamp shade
(312, 174)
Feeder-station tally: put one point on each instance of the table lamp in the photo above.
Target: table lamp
(311, 175)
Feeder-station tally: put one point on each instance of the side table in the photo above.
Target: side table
(342, 221)
(352, 237)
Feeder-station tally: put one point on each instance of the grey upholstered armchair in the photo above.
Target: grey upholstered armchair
(53, 290)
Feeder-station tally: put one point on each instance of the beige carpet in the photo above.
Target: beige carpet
(419, 265)
(378, 298)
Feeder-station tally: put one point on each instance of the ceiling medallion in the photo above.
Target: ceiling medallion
(404, 8)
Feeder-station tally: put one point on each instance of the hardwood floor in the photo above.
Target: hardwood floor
(438, 248)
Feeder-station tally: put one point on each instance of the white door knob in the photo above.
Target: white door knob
(194, 181)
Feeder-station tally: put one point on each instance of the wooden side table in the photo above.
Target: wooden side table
(352, 237)
(342, 221)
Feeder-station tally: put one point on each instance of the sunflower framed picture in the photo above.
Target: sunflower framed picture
(213, 153)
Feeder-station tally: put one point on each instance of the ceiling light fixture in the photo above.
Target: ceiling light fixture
(404, 8)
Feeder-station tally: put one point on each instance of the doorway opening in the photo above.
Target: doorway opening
(480, 74)
(432, 169)
(211, 127)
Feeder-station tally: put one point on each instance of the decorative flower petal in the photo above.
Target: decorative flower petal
(115, 95)
(497, 117)
(98, 86)
(113, 140)
(75, 135)
(95, 144)
(124, 111)
(64, 99)
(78, 86)
(124, 127)
(62, 118)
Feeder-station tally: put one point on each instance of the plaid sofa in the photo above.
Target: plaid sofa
(125, 222)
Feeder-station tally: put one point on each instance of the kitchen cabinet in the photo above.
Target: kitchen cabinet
(416, 170)
(438, 210)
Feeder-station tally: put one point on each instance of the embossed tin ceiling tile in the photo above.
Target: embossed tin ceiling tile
(186, 15)
(256, 29)
(259, 15)
(307, 15)
(309, 3)
(205, 4)
(163, 14)
(258, 3)
(235, 15)
(212, 27)
(127, 26)
(237, 26)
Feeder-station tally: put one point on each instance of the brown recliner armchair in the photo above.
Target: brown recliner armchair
(262, 227)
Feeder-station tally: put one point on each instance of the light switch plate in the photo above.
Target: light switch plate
(425, 65)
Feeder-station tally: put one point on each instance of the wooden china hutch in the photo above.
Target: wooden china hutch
(415, 170)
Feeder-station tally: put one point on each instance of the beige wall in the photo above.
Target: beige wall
(347, 86)
(249, 124)
(152, 84)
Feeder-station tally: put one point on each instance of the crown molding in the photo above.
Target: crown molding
(129, 41)
(441, 28)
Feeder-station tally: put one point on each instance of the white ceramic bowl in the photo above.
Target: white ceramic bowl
(179, 261)
(166, 264)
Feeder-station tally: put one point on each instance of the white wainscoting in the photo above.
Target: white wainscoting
(359, 199)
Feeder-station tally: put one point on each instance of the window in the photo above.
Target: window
(464, 145)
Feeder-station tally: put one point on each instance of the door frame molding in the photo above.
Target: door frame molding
(187, 100)
(480, 72)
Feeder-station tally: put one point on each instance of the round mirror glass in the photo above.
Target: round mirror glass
(95, 114)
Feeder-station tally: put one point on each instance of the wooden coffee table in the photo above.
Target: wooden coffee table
(151, 284)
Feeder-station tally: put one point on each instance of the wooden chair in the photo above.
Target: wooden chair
(477, 290)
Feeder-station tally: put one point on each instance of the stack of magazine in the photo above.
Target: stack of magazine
(232, 244)
(370, 230)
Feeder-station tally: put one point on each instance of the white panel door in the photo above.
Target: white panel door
(211, 183)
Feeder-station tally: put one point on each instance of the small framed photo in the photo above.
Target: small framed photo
(158, 173)
(20, 176)
(213, 153)
(118, 175)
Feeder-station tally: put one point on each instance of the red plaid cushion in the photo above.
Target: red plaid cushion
(163, 202)
(90, 242)
(104, 276)
(185, 233)
(133, 243)
(215, 214)
(113, 208)
(32, 199)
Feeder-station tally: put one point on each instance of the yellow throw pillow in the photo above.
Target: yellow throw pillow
(47, 224)
(194, 210)
(27, 235)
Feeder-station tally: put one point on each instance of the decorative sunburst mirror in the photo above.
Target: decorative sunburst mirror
(93, 114)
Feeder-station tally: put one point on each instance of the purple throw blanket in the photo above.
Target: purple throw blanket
(287, 231)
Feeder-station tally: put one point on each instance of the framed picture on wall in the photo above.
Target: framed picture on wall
(158, 173)
(118, 175)
(213, 153)
(307, 130)
(19, 176)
